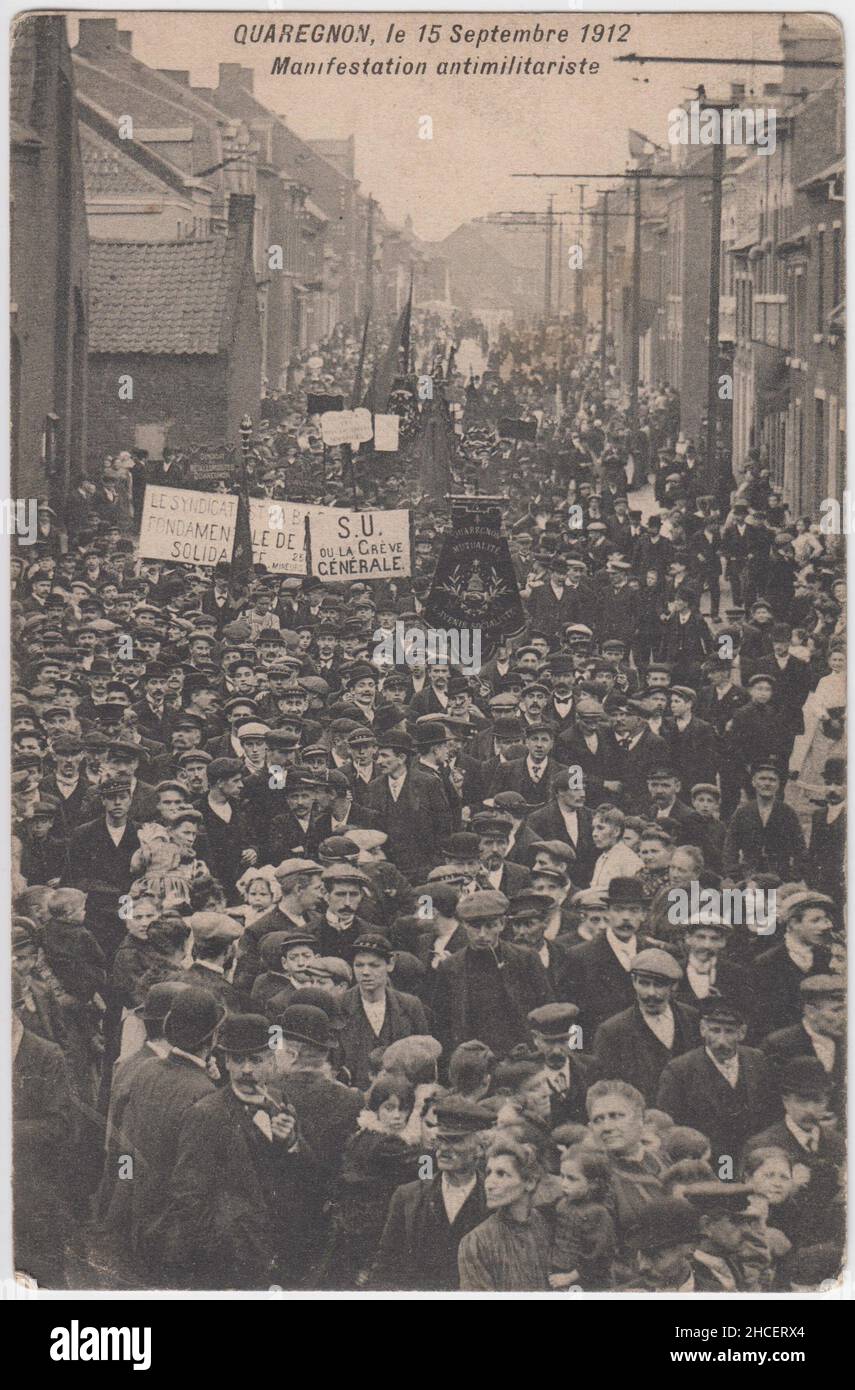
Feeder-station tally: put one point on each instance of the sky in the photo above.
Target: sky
(484, 128)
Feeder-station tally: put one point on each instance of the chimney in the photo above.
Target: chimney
(204, 93)
(126, 39)
(233, 75)
(241, 210)
(175, 75)
(96, 37)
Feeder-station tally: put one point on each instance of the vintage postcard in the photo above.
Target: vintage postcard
(427, 524)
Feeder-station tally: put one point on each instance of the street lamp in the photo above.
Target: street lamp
(245, 429)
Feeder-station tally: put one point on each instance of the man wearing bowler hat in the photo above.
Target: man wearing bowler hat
(598, 977)
(486, 990)
(326, 1109)
(412, 806)
(807, 1134)
(428, 1218)
(722, 1087)
(243, 1198)
(163, 1091)
(637, 1044)
(661, 1240)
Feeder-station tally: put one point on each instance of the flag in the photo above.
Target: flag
(241, 567)
(377, 396)
(357, 385)
(640, 145)
(436, 451)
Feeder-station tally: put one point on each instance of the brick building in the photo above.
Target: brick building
(49, 265)
(175, 346)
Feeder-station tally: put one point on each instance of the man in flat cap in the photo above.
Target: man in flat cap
(493, 831)
(428, 1218)
(569, 1070)
(732, 1255)
(215, 935)
(301, 890)
(721, 1087)
(637, 1044)
(777, 974)
(487, 990)
(821, 1032)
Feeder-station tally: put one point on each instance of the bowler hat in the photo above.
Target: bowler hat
(805, 1076)
(244, 1034)
(626, 892)
(192, 1019)
(308, 1024)
(664, 1222)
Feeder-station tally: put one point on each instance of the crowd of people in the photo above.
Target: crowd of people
(332, 973)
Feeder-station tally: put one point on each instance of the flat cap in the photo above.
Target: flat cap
(214, 926)
(656, 962)
(455, 1115)
(483, 906)
(289, 867)
(553, 1020)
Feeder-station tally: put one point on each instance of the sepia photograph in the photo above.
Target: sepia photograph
(426, 522)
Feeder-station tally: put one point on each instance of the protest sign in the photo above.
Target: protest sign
(346, 426)
(359, 545)
(386, 433)
(278, 535)
(192, 528)
(318, 404)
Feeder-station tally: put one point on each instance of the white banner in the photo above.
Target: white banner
(386, 433)
(278, 535)
(189, 528)
(346, 426)
(198, 528)
(359, 545)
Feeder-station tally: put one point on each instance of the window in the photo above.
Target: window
(820, 282)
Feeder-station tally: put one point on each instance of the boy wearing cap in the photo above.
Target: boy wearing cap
(373, 1013)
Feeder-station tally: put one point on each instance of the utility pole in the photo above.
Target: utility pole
(604, 286)
(369, 257)
(636, 305)
(559, 269)
(547, 268)
(578, 284)
(712, 344)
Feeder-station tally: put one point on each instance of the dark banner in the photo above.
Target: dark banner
(474, 585)
(317, 404)
(518, 429)
(212, 465)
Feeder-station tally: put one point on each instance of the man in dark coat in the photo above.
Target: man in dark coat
(326, 1110)
(486, 990)
(160, 1095)
(99, 863)
(764, 835)
(428, 1219)
(820, 1034)
(778, 974)
(412, 807)
(567, 818)
(692, 743)
(373, 1014)
(827, 852)
(721, 1088)
(756, 733)
(43, 1118)
(569, 1071)
(806, 1092)
(597, 975)
(533, 775)
(243, 1199)
(637, 1044)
